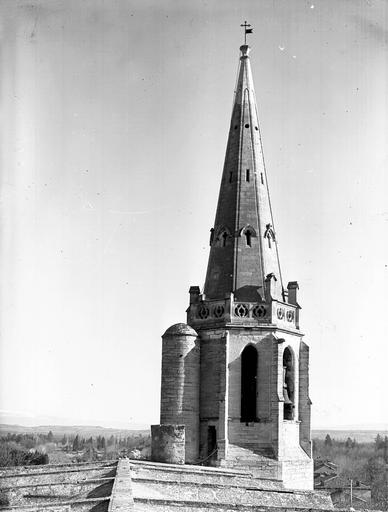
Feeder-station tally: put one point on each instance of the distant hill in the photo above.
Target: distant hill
(82, 430)
(361, 436)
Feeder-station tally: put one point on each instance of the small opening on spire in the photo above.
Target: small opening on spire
(247, 175)
(236, 126)
(230, 177)
(261, 178)
(247, 126)
(224, 238)
(248, 237)
(256, 127)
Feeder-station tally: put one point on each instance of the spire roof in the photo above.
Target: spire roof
(243, 242)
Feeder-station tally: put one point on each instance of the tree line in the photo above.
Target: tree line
(364, 462)
(26, 449)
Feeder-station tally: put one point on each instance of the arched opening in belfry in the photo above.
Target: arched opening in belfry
(211, 441)
(288, 384)
(248, 383)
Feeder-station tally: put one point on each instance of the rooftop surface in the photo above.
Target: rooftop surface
(118, 486)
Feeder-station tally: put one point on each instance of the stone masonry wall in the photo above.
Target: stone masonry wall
(168, 443)
(180, 385)
(304, 399)
(260, 433)
(212, 385)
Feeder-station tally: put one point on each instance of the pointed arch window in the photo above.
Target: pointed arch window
(288, 384)
(211, 236)
(222, 236)
(248, 383)
(249, 233)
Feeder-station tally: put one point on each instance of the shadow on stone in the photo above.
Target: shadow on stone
(100, 507)
(110, 473)
(104, 490)
(248, 293)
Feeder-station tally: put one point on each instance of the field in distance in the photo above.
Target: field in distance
(68, 430)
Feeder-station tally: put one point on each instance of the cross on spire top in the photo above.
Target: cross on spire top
(247, 30)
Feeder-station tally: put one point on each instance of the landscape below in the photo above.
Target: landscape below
(63, 471)
(141, 485)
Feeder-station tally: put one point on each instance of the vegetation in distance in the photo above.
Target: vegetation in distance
(365, 462)
(17, 449)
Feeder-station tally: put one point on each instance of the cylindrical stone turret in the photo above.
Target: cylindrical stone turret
(180, 384)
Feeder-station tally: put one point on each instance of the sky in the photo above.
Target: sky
(116, 120)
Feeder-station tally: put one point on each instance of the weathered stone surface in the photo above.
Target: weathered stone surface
(180, 329)
(180, 385)
(81, 487)
(122, 498)
(172, 487)
(238, 263)
(168, 443)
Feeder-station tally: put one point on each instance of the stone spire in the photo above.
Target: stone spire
(243, 255)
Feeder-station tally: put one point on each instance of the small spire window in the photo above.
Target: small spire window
(247, 175)
(224, 238)
(249, 233)
(261, 178)
(230, 177)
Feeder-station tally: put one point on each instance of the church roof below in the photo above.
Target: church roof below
(129, 485)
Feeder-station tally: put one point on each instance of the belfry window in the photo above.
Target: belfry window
(288, 384)
(248, 383)
(248, 238)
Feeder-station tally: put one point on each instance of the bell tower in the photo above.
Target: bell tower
(250, 405)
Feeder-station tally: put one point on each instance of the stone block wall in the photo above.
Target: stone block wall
(168, 443)
(304, 399)
(264, 431)
(212, 390)
(298, 474)
(180, 384)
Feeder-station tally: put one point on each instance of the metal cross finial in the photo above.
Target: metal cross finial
(246, 30)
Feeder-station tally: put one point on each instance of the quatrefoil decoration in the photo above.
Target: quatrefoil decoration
(203, 312)
(218, 311)
(259, 311)
(241, 310)
(290, 316)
